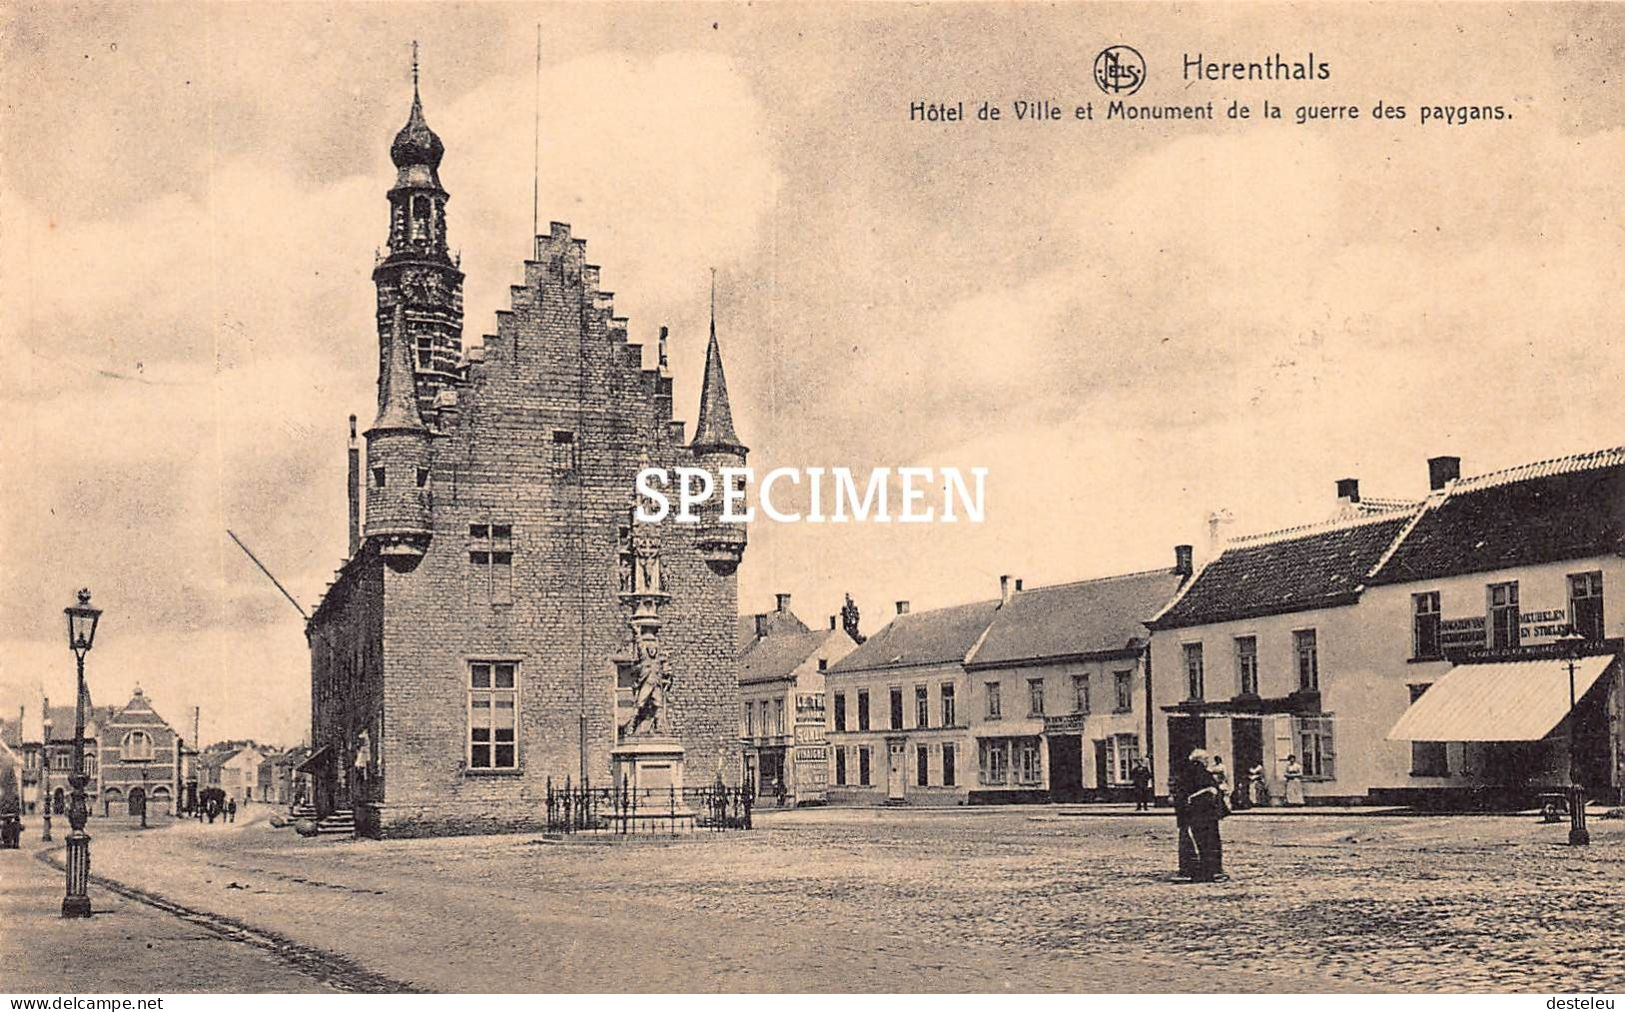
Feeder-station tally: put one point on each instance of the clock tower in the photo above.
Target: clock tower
(417, 273)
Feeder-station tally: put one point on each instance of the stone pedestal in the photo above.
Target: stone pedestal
(650, 765)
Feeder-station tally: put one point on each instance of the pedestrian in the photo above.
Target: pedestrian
(231, 810)
(1221, 780)
(1260, 791)
(1203, 809)
(781, 791)
(1140, 776)
(1294, 781)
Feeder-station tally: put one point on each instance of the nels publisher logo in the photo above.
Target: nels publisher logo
(1119, 70)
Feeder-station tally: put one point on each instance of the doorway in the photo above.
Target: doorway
(138, 800)
(1103, 769)
(1066, 767)
(1184, 735)
(896, 770)
(1246, 746)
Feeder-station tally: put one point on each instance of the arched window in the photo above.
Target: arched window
(138, 745)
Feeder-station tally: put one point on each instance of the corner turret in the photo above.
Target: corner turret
(715, 446)
(399, 520)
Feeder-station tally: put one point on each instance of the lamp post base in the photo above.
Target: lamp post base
(77, 901)
(1579, 836)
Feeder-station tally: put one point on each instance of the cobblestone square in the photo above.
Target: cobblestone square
(981, 900)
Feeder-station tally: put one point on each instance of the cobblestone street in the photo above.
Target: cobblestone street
(1010, 899)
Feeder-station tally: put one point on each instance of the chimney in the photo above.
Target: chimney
(1018, 586)
(1007, 589)
(1182, 560)
(1348, 491)
(761, 626)
(1442, 471)
(902, 607)
(832, 626)
(354, 491)
(783, 602)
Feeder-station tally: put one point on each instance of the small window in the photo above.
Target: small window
(423, 477)
(1123, 685)
(378, 477)
(1194, 676)
(563, 452)
(1425, 627)
(425, 351)
(823, 664)
(1585, 604)
(490, 559)
(1304, 644)
(137, 746)
(1505, 631)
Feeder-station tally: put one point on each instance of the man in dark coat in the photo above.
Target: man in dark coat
(1203, 810)
(1141, 777)
(1190, 863)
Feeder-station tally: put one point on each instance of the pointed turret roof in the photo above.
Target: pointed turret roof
(397, 390)
(715, 426)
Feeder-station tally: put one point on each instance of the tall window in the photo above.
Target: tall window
(1428, 758)
(750, 720)
(490, 559)
(1193, 671)
(1080, 693)
(863, 710)
(1123, 689)
(896, 708)
(563, 452)
(995, 760)
(493, 715)
(1029, 767)
(425, 344)
(995, 707)
(1121, 752)
(778, 716)
(922, 706)
(1315, 749)
(137, 745)
(863, 766)
(1585, 604)
(840, 713)
(1504, 631)
(948, 772)
(1035, 697)
(840, 766)
(947, 692)
(922, 766)
(1425, 618)
(1303, 644)
(1247, 665)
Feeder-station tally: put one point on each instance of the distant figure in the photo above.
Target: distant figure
(1294, 781)
(231, 810)
(1221, 779)
(1203, 810)
(1140, 776)
(782, 793)
(1258, 790)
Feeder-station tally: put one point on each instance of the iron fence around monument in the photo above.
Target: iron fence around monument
(627, 811)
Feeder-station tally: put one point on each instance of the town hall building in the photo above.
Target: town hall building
(502, 622)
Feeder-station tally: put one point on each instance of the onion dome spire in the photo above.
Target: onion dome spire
(715, 426)
(416, 144)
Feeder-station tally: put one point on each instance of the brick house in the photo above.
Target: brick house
(501, 622)
(784, 723)
(139, 759)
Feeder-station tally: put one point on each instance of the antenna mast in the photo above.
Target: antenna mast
(268, 576)
(536, 148)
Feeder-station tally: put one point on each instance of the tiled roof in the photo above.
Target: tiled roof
(1549, 511)
(942, 635)
(775, 657)
(1088, 617)
(1287, 571)
(778, 623)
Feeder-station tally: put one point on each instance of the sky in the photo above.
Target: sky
(1132, 325)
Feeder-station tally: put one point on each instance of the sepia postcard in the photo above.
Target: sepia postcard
(811, 498)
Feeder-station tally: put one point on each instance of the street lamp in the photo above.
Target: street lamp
(82, 619)
(1579, 836)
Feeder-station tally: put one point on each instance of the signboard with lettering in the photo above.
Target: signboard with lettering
(1532, 626)
(1462, 632)
(1066, 723)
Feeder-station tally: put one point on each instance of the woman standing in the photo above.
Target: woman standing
(1294, 781)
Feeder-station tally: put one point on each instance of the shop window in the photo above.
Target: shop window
(1122, 750)
(1585, 604)
(1425, 618)
(1504, 629)
(1247, 665)
(1304, 645)
(1029, 767)
(1193, 671)
(995, 760)
(1428, 758)
(1315, 748)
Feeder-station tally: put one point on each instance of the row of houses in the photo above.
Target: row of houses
(1417, 652)
(134, 760)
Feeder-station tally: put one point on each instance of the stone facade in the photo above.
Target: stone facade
(477, 644)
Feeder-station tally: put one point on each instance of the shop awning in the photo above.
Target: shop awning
(1498, 701)
(315, 761)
